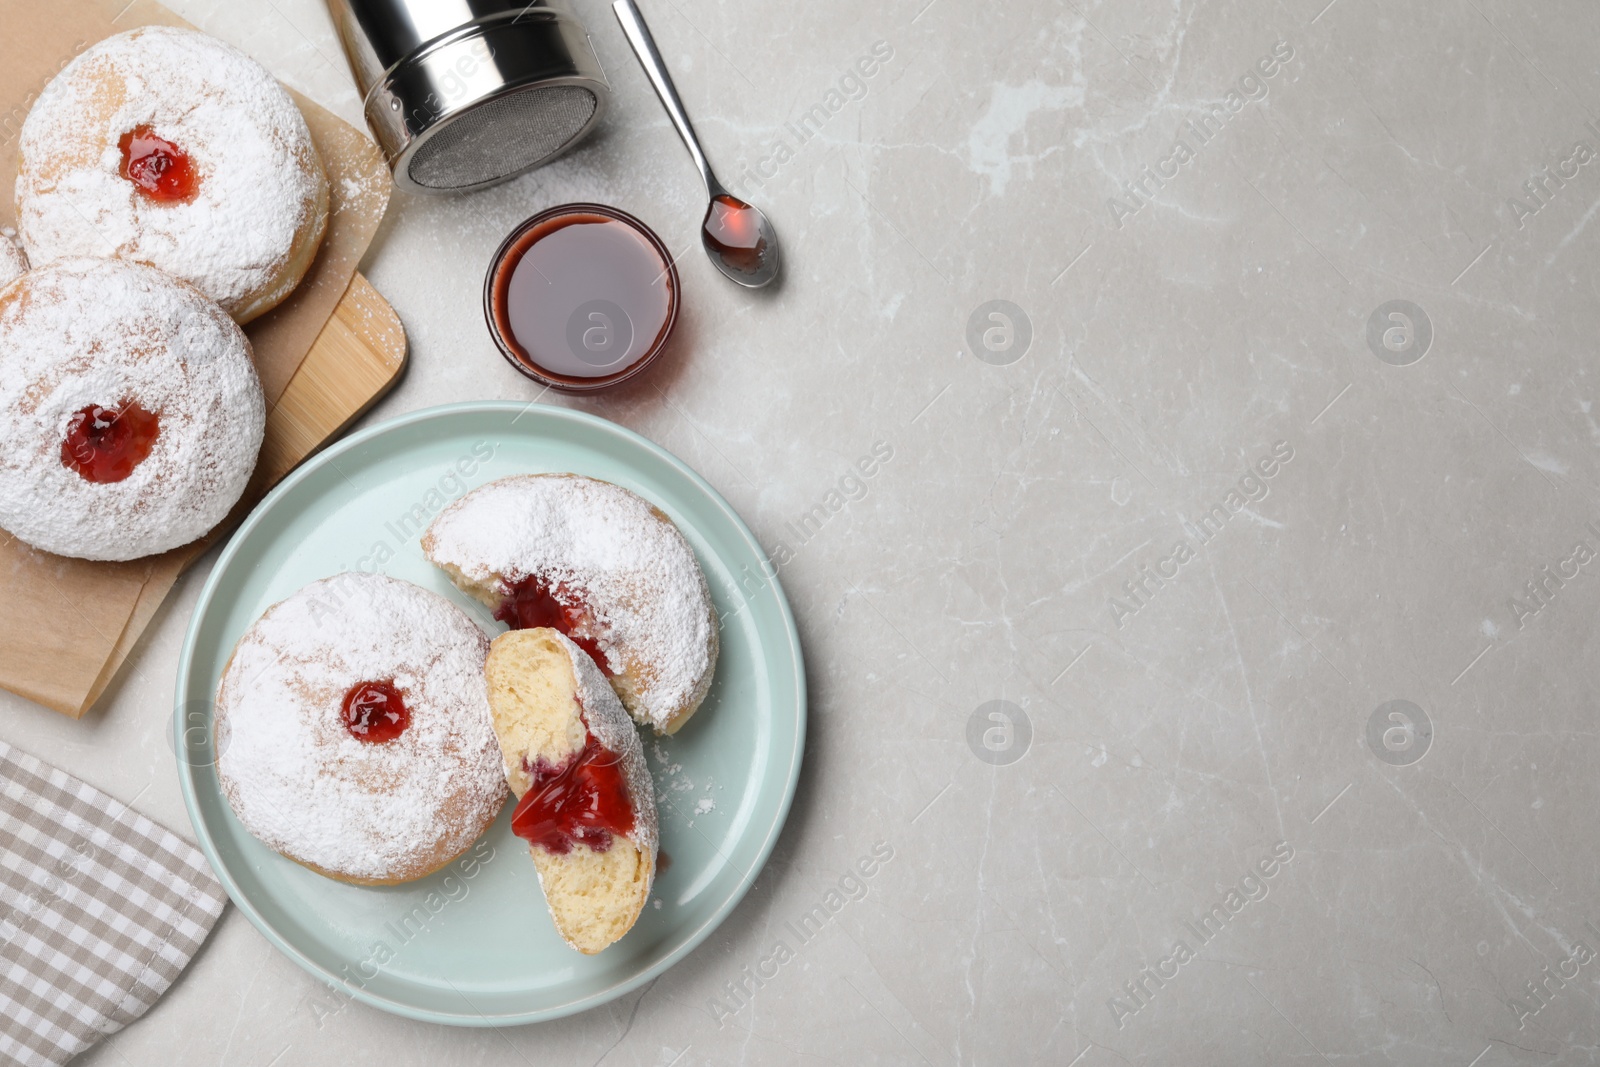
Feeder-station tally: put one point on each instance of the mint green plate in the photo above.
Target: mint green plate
(473, 945)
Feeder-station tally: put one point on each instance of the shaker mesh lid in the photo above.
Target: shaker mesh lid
(502, 137)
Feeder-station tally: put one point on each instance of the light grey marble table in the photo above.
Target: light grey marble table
(1211, 656)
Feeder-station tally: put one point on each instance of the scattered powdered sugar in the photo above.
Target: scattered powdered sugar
(13, 263)
(629, 565)
(670, 779)
(668, 767)
(261, 181)
(608, 721)
(105, 332)
(301, 783)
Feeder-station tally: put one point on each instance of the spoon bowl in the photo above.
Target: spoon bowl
(740, 241)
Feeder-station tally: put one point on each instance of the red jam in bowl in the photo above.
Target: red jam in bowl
(581, 297)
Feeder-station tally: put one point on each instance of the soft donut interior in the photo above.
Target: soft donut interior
(594, 897)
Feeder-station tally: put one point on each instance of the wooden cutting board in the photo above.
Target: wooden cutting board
(356, 359)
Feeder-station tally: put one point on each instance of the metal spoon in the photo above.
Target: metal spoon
(737, 237)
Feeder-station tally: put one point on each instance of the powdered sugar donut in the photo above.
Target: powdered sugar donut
(130, 410)
(13, 262)
(168, 147)
(599, 564)
(353, 732)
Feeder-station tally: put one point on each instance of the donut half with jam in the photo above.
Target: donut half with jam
(585, 802)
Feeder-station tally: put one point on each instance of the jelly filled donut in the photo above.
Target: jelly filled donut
(168, 147)
(130, 411)
(13, 262)
(353, 732)
(599, 564)
(585, 802)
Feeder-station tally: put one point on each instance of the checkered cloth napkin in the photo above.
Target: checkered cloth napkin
(100, 909)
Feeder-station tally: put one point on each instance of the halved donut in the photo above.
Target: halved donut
(601, 565)
(585, 800)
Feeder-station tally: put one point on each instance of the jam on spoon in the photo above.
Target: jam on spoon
(733, 232)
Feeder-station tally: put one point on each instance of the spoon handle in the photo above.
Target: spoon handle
(644, 46)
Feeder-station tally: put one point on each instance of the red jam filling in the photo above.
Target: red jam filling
(733, 229)
(103, 444)
(585, 801)
(160, 169)
(532, 603)
(374, 712)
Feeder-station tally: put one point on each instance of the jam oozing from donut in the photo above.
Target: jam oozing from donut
(531, 603)
(583, 801)
(160, 169)
(104, 445)
(374, 712)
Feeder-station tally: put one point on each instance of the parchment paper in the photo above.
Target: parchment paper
(65, 624)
